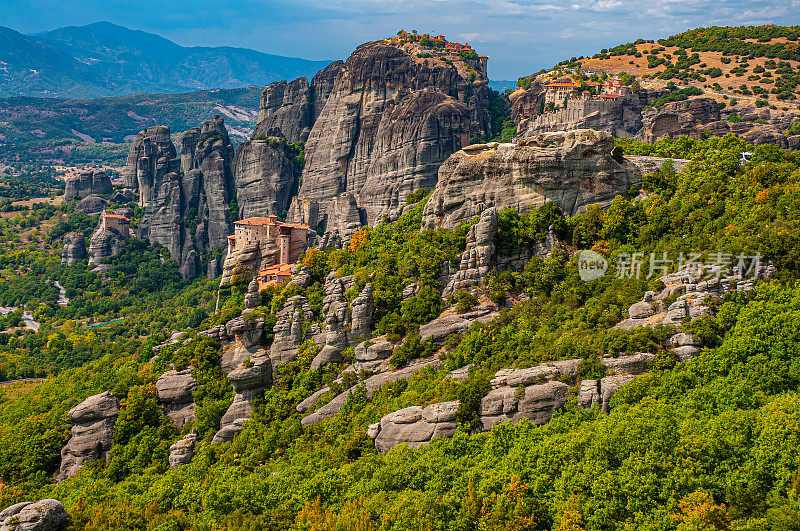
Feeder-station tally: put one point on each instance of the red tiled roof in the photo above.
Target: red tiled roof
(259, 222)
(562, 85)
(117, 216)
(280, 269)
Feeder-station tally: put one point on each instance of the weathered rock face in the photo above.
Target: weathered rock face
(415, 425)
(104, 243)
(248, 380)
(175, 391)
(182, 452)
(336, 313)
(74, 249)
(152, 156)
(322, 85)
(573, 169)
(361, 310)
(388, 123)
(190, 215)
(92, 433)
(678, 118)
(620, 117)
(266, 179)
(87, 183)
(288, 329)
(286, 111)
(477, 257)
(44, 515)
(92, 205)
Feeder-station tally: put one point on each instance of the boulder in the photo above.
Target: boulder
(415, 425)
(92, 205)
(640, 310)
(175, 390)
(43, 515)
(92, 434)
(182, 452)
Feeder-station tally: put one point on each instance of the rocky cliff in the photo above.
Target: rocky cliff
(189, 214)
(92, 432)
(573, 169)
(390, 120)
(151, 157)
(266, 178)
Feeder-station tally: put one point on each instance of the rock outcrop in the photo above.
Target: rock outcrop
(182, 452)
(286, 111)
(175, 391)
(87, 183)
(151, 157)
(370, 385)
(190, 214)
(361, 310)
(289, 329)
(74, 249)
(92, 205)
(389, 121)
(444, 325)
(105, 242)
(691, 294)
(415, 425)
(43, 515)
(266, 179)
(92, 433)
(249, 380)
(336, 314)
(678, 118)
(477, 257)
(573, 169)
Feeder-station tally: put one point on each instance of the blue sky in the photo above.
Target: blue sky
(519, 36)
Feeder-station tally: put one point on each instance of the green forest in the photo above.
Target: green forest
(708, 444)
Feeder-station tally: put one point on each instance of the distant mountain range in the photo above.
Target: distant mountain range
(103, 59)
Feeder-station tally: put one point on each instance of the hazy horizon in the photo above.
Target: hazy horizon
(519, 37)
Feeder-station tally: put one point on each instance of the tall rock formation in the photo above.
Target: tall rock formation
(266, 178)
(87, 183)
(390, 120)
(286, 111)
(573, 169)
(92, 432)
(189, 214)
(152, 156)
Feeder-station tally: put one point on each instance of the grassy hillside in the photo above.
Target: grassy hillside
(748, 63)
(706, 444)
